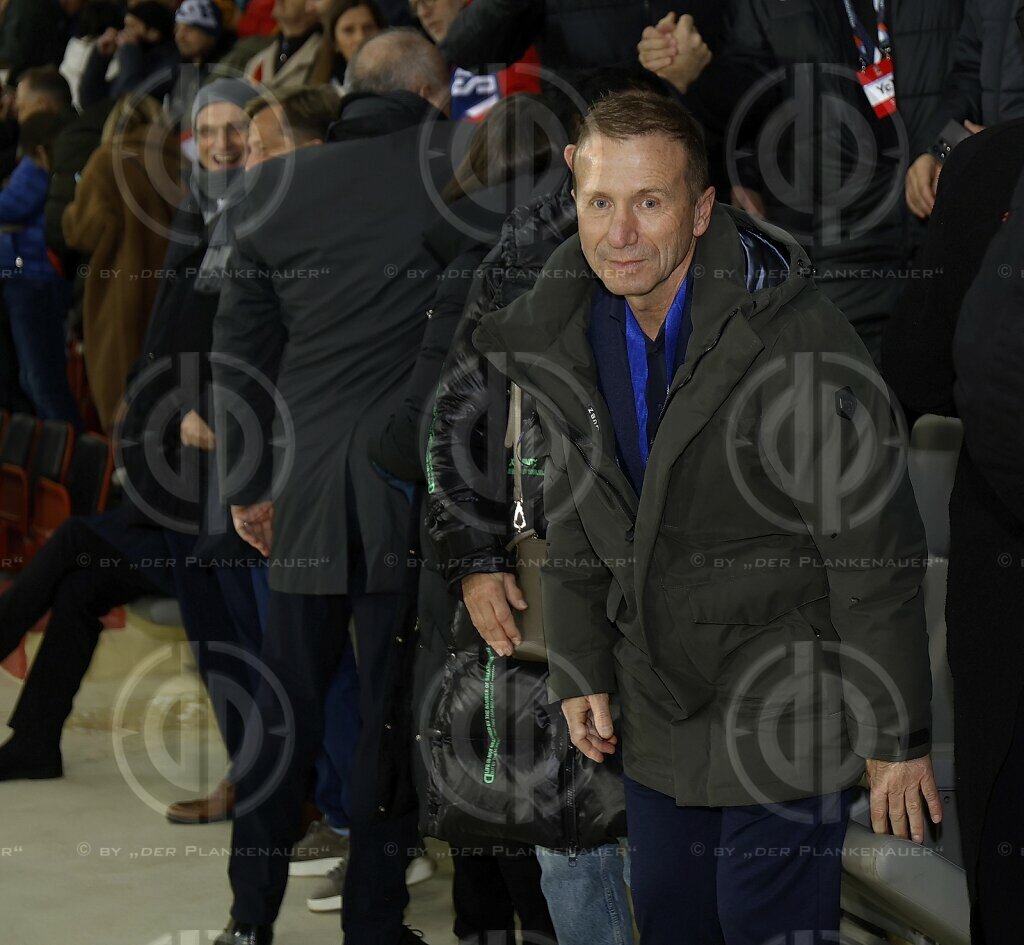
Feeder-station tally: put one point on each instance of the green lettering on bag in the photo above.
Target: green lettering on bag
(491, 762)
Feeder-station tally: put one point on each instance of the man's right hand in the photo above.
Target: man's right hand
(922, 180)
(590, 725)
(675, 51)
(487, 598)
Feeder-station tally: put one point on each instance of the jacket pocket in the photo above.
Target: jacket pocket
(758, 600)
(743, 623)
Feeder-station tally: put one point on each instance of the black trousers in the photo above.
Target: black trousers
(1001, 857)
(489, 890)
(305, 638)
(79, 575)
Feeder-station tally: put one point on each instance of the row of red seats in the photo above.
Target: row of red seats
(46, 475)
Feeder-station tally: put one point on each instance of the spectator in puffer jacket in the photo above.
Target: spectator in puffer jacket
(36, 294)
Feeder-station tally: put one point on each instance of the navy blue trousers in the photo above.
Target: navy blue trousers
(757, 875)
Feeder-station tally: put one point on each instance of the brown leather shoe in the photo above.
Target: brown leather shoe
(217, 806)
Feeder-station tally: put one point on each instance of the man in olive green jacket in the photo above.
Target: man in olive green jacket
(735, 553)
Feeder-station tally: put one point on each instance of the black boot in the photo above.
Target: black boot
(25, 757)
(242, 933)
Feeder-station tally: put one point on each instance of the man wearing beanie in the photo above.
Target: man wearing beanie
(198, 30)
(145, 53)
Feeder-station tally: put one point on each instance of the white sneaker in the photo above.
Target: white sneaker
(318, 852)
(326, 896)
(420, 870)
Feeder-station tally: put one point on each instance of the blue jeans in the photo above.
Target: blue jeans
(576, 890)
(38, 309)
(341, 723)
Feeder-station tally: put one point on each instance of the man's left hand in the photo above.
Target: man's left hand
(255, 524)
(896, 791)
(195, 432)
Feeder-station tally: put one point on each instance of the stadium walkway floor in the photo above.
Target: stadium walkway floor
(91, 860)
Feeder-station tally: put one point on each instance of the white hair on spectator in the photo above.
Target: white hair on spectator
(398, 59)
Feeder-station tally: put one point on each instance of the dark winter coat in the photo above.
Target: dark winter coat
(983, 596)
(733, 597)
(986, 82)
(32, 33)
(458, 241)
(866, 220)
(170, 378)
(71, 152)
(143, 70)
(469, 467)
(336, 341)
(570, 35)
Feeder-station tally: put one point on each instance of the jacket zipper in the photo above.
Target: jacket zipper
(686, 380)
(571, 825)
(619, 500)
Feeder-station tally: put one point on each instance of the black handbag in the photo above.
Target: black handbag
(502, 767)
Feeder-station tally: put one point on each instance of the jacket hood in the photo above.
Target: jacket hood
(367, 114)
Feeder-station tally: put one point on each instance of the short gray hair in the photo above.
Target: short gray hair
(397, 60)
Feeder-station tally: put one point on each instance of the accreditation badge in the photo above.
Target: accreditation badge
(879, 83)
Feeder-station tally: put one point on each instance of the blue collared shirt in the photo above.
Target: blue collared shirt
(607, 335)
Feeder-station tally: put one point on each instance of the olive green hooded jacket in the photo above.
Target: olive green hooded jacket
(757, 612)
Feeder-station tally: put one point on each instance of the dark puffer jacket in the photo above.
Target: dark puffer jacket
(986, 83)
(469, 471)
(575, 802)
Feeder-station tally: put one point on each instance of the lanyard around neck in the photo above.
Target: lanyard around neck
(636, 349)
(871, 48)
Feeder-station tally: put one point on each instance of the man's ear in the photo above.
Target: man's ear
(702, 212)
(570, 150)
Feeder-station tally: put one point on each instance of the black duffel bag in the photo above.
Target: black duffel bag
(501, 767)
